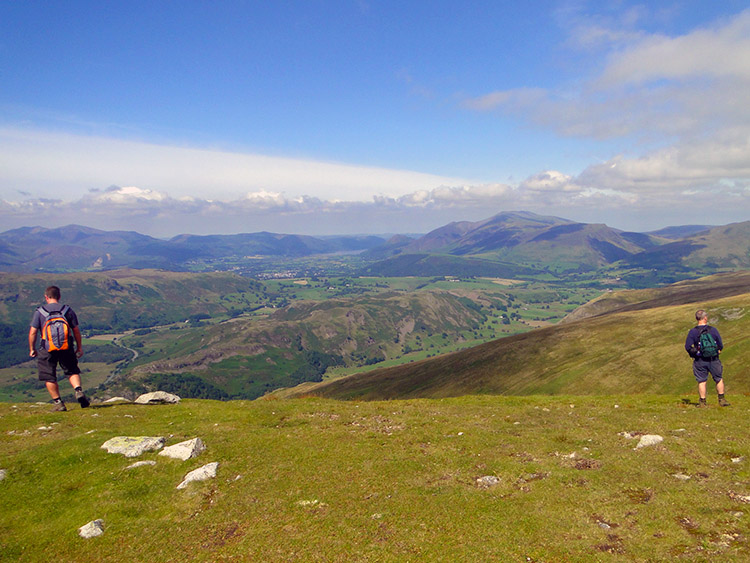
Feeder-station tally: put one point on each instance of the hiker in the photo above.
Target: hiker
(704, 345)
(58, 326)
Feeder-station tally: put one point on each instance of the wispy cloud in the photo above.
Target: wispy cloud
(684, 94)
(49, 164)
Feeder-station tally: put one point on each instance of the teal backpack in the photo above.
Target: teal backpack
(707, 345)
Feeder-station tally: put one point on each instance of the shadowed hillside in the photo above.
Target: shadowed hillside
(630, 351)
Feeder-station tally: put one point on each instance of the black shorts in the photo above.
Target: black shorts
(47, 362)
(701, 369)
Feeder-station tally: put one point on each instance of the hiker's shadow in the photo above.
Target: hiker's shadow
(688, 402)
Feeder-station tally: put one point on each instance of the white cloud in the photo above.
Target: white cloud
(720, 51)
(684, 95)
(48, 164)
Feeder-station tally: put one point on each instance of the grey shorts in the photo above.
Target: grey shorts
(701, 369)
(47, 362)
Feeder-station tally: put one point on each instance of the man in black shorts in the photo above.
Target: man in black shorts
(67, 358)
(706, 357)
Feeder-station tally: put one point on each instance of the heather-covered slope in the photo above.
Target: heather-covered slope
(636, 350)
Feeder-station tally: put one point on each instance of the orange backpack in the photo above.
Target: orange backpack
(55, 330)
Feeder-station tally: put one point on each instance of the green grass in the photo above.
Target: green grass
(320, 480)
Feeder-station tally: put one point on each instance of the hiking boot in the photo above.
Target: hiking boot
(82, 399)
(723, 402)
(59, 407)
(702, 404)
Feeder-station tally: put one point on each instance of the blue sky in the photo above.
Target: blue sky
(328, 117)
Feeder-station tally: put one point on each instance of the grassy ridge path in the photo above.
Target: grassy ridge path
(322, 480)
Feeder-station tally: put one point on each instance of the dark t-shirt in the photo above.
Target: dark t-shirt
(37, 321)
(691, 342)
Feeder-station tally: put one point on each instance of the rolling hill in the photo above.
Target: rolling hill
(76, 248)
(245, 358)
(633, 350)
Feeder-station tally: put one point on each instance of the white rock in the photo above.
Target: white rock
(140, 464)
(208, 471)
(3, 474)
(117, 400)
(157, 398)
(738, 459)
(649, 440)
(681, 476)
(185, 450)
(488, 481)
(92, 529)
(133, 446)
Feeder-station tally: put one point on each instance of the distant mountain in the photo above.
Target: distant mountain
(82, 248)
(593, 355)
(726, 247)
(674, 233)
(519, 239)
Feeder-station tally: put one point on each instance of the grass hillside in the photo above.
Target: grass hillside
(245, 358)
(632, 351)
(688, 291)
(320, 480)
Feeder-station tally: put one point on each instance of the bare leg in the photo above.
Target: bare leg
(75, 380)
(702, 389)
(53, 389)
(720, 387)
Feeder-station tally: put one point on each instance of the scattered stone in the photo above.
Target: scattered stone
(208, 471)
(185, 450)
(92, 529)
(377, 516)
(3, 474)
(681, 476)
(157, 398)
(487, 481)
(44, 428)
(628, 435)
(117, 400)
(739, 459)
(740, 498)
(140, 464)
(90, 431)
(307, 503)
(133, 446)
(649, 440)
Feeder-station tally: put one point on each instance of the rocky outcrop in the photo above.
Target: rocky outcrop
(201, 474)
(92, 529)
(649, 440)
(133, 446)
(185, 450)
(157, 398)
